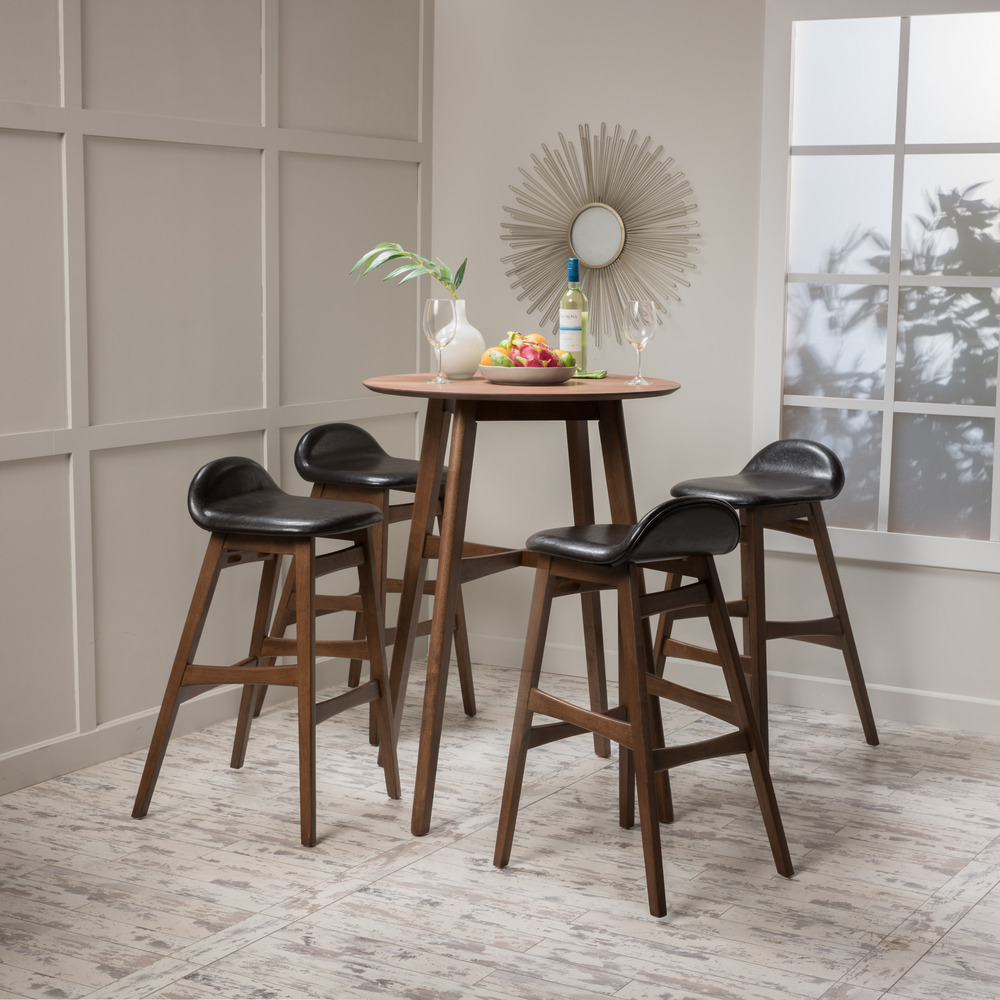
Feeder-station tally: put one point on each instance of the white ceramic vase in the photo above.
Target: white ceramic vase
(460, 358)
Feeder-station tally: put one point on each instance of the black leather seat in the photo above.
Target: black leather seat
(252, 520)
(679, 537)
(343, 461)
(346, 456)
(781, 488)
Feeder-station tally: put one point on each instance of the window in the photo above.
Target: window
(890, 316)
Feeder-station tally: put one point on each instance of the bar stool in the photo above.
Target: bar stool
(781, 488)
(345, 462)
(678, 537)
(252, 520)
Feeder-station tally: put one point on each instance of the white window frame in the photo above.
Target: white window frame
(881, 546)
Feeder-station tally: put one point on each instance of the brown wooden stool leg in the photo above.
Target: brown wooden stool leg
(531, 668)
(251, 692)
(463, 653)
(632, 674)
(747, 722)
(204, 591)
(582, 491)
(835, 594)
(380, 553)
(755, 622)
(463, 656)
(656, 661)
(664, 629)
(626, 762)
(373, 626)
(354, 670)
(597, 678)
(304, 569)
(283, 617)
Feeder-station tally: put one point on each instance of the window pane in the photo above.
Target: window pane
(946, 347)
(856, 437)
(954, 79)
(835, 340)
(942, 475)
(844, 81)
(841, 209)
(951, 214)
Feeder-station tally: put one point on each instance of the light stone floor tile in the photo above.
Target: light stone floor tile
(896, 849)
(844, 991)
(144, 982)
(15, 983)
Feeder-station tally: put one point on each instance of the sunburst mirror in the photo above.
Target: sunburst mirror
(619, 206)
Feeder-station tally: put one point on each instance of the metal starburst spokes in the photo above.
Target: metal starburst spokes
(621, 174)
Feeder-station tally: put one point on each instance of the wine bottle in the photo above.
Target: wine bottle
(573, 316)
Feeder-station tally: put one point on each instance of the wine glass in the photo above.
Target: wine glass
(640, 325)
(439, 329)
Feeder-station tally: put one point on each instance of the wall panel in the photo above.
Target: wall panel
(39, 691)
(370, 51)
(196, 59)
(174, 279)
(33, 363)
(142, 531)
(174, 288)
(29, 51)
(336, 330)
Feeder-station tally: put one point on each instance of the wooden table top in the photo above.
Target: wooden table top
(611, 387)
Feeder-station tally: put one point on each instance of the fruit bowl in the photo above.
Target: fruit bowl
(526, 376)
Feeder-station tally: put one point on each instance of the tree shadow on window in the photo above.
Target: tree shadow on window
(946, 353)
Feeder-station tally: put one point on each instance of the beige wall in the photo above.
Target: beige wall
(511, 76)
(181, 205)
(174, 286)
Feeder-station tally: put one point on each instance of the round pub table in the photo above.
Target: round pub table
(454, 409)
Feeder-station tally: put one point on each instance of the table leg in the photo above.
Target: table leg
(449, 575)
(617, 467)
(432, 452)
(582, 490)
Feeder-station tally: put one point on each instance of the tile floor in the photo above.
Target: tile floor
(896, 894)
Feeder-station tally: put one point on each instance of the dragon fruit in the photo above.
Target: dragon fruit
(530, 355)
(530, 351)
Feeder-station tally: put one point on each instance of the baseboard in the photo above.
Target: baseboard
(30, 765)
(938, 709)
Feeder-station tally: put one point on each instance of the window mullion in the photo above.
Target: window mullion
(895, 252)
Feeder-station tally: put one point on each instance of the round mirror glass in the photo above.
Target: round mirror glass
(597, 235)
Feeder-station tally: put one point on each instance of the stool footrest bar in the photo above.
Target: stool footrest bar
(330, 562)
(689, 651)
(326, 603)
(239, 674)
(549, 732)
(666, 758)
(720, 708)
(691, 595)
(360, 695)
(348, 649)
(800, 528)
(587, 721)
(817, 629)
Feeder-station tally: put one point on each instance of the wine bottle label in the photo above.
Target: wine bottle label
(571, 330)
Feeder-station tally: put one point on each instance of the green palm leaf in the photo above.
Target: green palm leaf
(415, 266)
